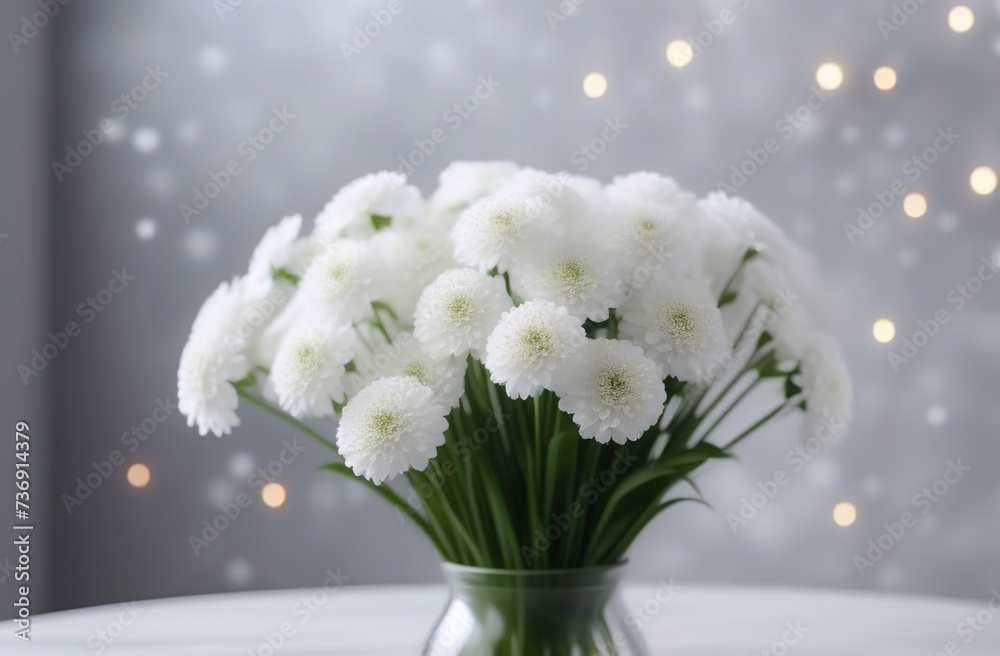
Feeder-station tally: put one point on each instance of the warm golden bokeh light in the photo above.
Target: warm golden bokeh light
(679, 53)
(983, 180)
(915, 205)
(273, 494)
(138, 475)
(829, 76)
(961, 19)
(594, 85)
(884, 330)
(844, 513)
(885, 78)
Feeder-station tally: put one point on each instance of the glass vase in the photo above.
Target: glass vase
(573, 612)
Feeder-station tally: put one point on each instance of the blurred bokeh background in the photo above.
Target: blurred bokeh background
(750, 104)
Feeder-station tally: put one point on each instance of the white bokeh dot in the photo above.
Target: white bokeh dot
(894, 135)
(845, 183)
(160, 181)
(238, 572)
(116, 132)
(241, 464)
(696, 99)
(188, 130)
(872, 487)
(936, 415)
(218, 491)
(213, 60)
(145, 140)
(199, 243)
(543, 98)
(947, 222)
(145, 228)
(849, 134)
(443, 57)
(996, 46)
(906, 257)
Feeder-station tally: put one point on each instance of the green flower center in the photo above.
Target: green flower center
(536, 341)
(459, 309)
(417, 370)
(681, 322)
(616, 386)
(572, 276)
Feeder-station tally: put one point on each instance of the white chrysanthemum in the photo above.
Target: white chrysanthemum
(580, 276)
(458, 311)
(733, 225)
(497, 229)
(410, 259)
(463, 183)
(529, 342)
(364, 205)
(655, 225)
(308, 369)
(613, 391)
(679, 325)
(213, 357)
(340, 280)
(275, 249)
(393, 425)
(405, 356)
(826, 386)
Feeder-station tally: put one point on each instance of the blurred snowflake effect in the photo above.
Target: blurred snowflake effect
(699, 114)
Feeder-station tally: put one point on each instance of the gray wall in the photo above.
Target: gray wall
(226, 76)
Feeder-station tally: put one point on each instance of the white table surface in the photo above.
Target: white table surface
(367, 620)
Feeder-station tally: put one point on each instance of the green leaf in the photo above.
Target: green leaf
(791, 389)
(389, 495)
(380, 221)
(561, 460)
(284, 274)
(246, 382)
(727, 297)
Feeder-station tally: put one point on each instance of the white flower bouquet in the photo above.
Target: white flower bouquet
(528, 350)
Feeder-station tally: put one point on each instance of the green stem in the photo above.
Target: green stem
(260, 403)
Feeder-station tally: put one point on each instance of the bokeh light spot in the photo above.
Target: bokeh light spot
(594, 85)
(884, 330)
(844, 513)
(273, 494)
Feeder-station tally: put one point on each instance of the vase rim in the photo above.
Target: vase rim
(470, 569)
